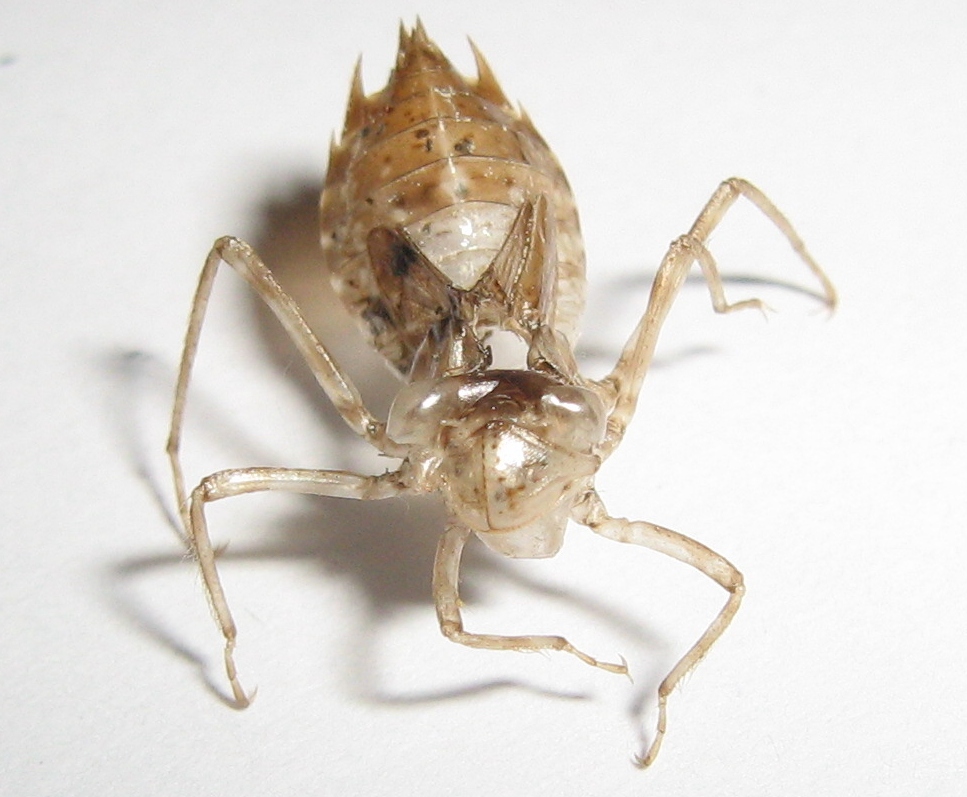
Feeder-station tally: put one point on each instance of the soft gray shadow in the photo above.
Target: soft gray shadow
(138, 383)
(287, 240)
(600, 344)
(624, 297)
(385, 549)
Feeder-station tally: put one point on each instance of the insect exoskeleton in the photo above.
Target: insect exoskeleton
(510, 450)
(445, 220)
(445, 217)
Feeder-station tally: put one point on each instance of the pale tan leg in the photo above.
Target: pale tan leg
(624, 382)
(592, 513)
(227, 483)
(330, 376)
(446, 573)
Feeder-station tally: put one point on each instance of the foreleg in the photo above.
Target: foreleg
(446, 573)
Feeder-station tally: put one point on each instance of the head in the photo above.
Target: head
(511, 451)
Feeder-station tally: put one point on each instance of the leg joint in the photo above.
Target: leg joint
(452, 630)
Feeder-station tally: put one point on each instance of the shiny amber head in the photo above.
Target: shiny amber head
(513, 450)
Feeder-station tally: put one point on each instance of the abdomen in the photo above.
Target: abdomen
(448, 161)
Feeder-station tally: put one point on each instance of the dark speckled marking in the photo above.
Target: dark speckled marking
(402, 259)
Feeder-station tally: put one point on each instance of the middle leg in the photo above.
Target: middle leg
(241, 481)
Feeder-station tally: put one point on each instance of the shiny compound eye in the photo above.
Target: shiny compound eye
(572, 416)
(420, 409)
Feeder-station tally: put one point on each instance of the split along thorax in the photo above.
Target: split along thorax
(445, 216)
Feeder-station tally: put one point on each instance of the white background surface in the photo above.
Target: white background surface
(826, 458)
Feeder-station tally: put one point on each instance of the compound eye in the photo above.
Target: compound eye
(416, 409)
(420, 409)
(574, 416)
